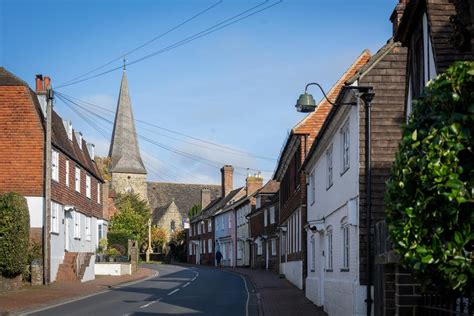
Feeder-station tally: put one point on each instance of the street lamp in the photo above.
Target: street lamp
(149, 251)
(305, 104)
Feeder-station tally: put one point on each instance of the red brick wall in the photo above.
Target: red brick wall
(21, 143)
(68, 195)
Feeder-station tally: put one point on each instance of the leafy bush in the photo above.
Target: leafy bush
(118, 238)
(14, 234)
(430, 209)
(113, 252)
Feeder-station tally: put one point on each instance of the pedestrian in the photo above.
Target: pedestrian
(218, 258)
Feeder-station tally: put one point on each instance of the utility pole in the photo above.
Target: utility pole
(148, 251)
(47, 215)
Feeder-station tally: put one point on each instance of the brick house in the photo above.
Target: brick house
(292, 217)
(203, 233)
(337, 234)
(263, 222)
(76, 191)
(435, 34)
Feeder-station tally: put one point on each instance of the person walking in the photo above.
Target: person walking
(218, 258)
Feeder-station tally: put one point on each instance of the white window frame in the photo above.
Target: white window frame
(274, 247)
(67, 172)
(239, 249)
(259, 247)
(312, 187)
(88, 229)
(98, 193)
(55, 165)
(230, 220)
(77, 180)
(209, 225)
(329, 167)
(313, 253)
(88, 186)
(209, 245)
(345, 147)
(272, 215)
(330, 261)
(265, 216)
(55, 211)
(345, 246)
(77, 225)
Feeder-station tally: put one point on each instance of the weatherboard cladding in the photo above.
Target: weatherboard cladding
(185, 196)
(124, 149)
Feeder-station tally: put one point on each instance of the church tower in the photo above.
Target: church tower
(127, 169)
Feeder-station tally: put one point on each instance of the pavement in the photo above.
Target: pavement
(34, 297)
(277, 296)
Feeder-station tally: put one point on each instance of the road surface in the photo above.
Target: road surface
(178, 290)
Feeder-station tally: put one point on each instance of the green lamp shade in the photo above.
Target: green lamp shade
(305, 103)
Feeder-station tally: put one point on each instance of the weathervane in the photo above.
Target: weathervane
(124, 63)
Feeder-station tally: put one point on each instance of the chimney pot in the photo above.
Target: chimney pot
(253, 183)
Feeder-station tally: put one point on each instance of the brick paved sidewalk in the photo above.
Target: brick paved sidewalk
(278, 296)
(45, 295)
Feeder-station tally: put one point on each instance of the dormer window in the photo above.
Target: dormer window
(55, 165)
(68, 127)
(79, 139)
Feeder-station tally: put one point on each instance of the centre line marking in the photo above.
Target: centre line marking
(174, 291)
(146, 305)
(186, 284)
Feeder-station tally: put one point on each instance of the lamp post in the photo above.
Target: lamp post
(148, 251)
(306, 104)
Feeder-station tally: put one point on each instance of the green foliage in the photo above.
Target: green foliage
(132, 217)
(113, 252)
(103, 243)
(14, 234)
(118, 238)
(195, 210)
(430, 192)
(158, 237)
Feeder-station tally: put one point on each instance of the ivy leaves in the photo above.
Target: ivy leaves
(430, 194)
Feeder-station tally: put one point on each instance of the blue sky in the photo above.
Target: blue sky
(236, 87)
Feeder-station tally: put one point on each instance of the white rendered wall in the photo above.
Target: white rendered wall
(89, 274)
(294, 272)
(330, 207)
(35, 208)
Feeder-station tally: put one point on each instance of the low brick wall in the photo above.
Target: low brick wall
(10, 284)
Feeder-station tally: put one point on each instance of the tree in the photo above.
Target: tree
(158, 237)
(430, 192)
(195, 210)
(103, 164)
(132, 217)
(14, 234)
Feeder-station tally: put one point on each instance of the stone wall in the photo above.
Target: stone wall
(126, 182)
(10, 284)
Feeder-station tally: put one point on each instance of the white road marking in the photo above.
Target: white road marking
(193, 279)
(186, 284)
(172, 292)
(152, 302)
(248, 296)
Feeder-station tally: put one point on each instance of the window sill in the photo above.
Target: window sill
(328, 270)
(77, 238)
(345, 270)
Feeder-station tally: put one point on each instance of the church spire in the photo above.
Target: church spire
(124, 150)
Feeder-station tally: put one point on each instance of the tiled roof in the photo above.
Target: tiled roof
(161, 195)
(313, 122)
(216, 205)
(9, 79)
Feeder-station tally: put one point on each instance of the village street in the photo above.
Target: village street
(177, 290)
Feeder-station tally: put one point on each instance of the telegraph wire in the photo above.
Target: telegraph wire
(189, 39)
(234, 151)
(148, 42)
(202, 160)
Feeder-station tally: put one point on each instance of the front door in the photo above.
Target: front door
(66, 231)
(321, 264)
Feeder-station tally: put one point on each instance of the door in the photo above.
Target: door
(321, 264)
(66, 231)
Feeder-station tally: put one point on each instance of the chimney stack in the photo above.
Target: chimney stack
(47, 83)
(254, 182)
(205, 197)
(227, 173)
(39, 83)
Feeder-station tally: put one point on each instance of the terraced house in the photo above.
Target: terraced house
(76, 193)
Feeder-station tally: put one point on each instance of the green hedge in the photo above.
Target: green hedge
(430, 197)
(118, 238)
(14, 234)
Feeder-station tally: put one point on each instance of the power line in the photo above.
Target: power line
(189, 39)
(148, 42)
(234, 151)
(200, 159)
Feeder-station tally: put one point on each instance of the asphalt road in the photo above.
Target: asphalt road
(178, 290)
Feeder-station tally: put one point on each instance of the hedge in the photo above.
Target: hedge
(14, 234)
